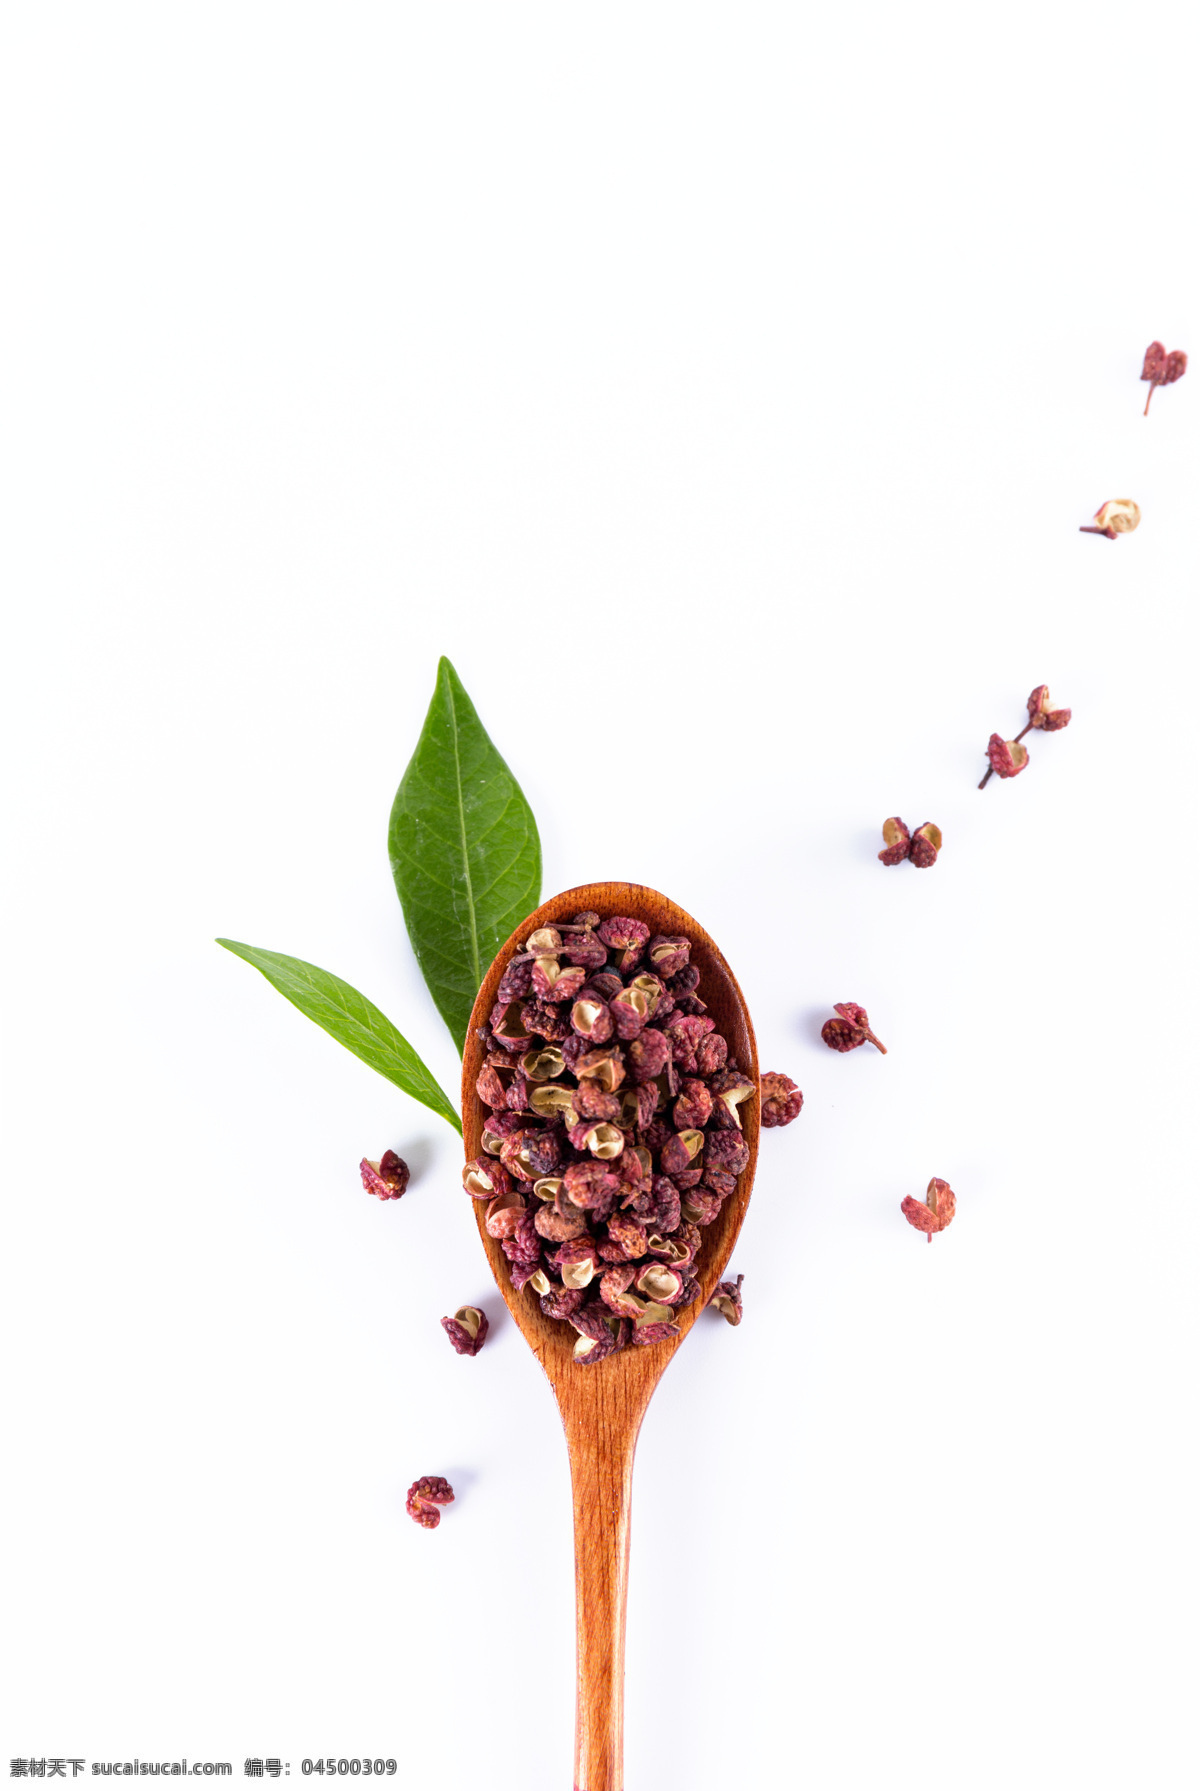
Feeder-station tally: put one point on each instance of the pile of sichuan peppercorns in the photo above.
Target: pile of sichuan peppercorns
(614, 1127)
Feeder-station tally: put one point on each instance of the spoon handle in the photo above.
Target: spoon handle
(601, 1487)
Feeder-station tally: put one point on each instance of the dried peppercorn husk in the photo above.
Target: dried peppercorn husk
(1006, 757)
(920, 848)
(925, 845)
(386, 1179)
(657, 1332)
(1120, 516)
(851, 1029)
(615, 1129)
(668, 955)
(730, 1088)
(424, 1497)
(1043, 714)
(467, 1330)
(781, 1099)
(1162, 369)
(727, 1298)
(933, 1213)
(896, 839)
(484, 1177)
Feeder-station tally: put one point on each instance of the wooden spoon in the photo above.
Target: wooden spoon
(602, 1407)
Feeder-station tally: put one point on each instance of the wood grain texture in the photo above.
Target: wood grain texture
(602, 1407)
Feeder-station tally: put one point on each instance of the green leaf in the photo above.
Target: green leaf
(464, 849)
(352, 1020)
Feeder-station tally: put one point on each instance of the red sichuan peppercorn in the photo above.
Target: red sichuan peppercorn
(615, 1129)
(1162, 369)
(1008, 757)
(851, 1030)
(1119, 516)
(467, 1330)
(424, 1497)
(920, 848)
(727, 1298)
(386, 1179)
(933, 1213)
(781, 1099)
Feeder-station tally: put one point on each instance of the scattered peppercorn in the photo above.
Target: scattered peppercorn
(1008, 757)
(727, 1298)
(386, 1179)
(851, 1030)
(424, 1497)
(1005, 757)
(1120, 516)
(920, 848)
(467, 1330)
(933, 1213)
(629, 1133)
(1162, 369)
(781, 1099)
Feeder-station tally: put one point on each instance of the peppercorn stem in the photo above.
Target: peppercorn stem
(1149, 396)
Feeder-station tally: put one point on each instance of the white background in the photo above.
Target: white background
(722, 388)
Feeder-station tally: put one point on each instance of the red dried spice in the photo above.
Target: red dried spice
(728, 1151)
(561, 1302)
(1008, 757)
(729, 1089)
(648, 1055)
(657, 1332)
(684, 1033)
(516, 982)
(659, 1282)
(712, 1053)
(559, 1225)
(600, 1332)
(630, 1011)
(545, 1020)
(627, 938)
(920, 848)
(386, 1179)
(851, 1030)
(424, 1497)
(615, 1129)
(781, 1100)
(700, 1205)
(484, 1177)
(505, 1215)
(1162, 369)
(694, 1107)
(496, 1128)
(580, 945)
(933, 1213)
(467, 1330)
(593, 1102)
(668, 954)
(627, 1236)
(553, 981)
(1119, 516)
(590, 1016)
(727, 1298)
(926, 844)
(1042, 714)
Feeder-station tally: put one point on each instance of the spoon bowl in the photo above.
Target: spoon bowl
(602, 1407)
